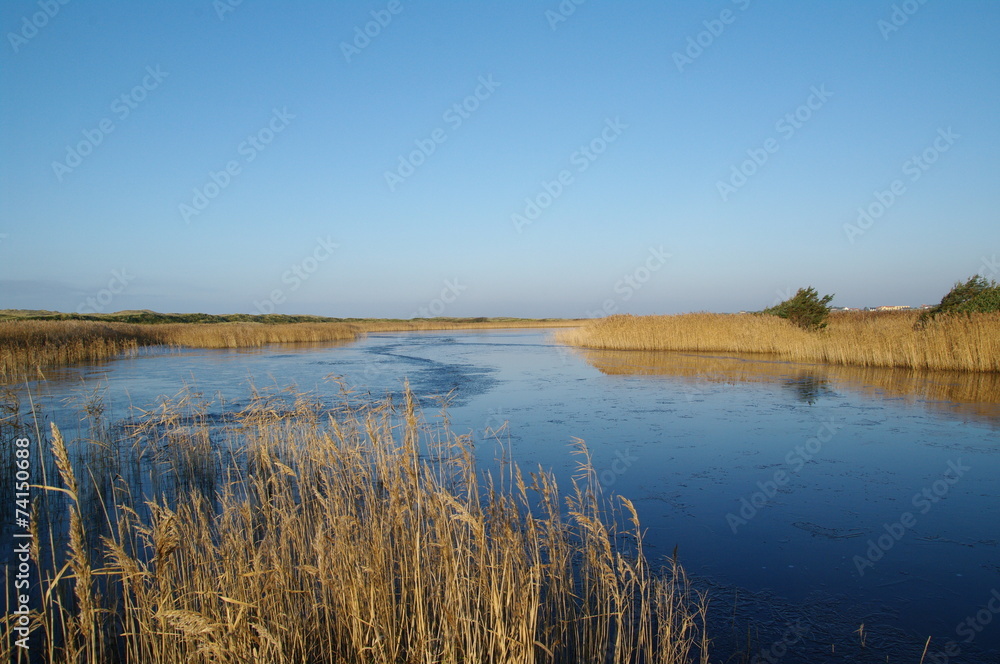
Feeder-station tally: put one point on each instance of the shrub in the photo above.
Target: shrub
(977, 295)
(806, 309)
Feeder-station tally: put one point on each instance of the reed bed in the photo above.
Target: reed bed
(250, 335)
(28, 347)
(354, 534)
(870, 339)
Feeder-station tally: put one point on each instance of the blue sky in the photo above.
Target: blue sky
(643, 157)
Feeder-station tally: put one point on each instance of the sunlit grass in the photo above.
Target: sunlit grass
(876, 339)
(347, 533)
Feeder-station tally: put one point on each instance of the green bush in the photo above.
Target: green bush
(977, 295)
(806, 309)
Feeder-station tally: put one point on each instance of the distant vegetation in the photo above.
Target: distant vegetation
(810, 331)
(806, 309)
(146, 317)
(863, 338)
(31, 342)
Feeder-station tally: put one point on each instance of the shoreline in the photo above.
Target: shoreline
(30, 345)
(959, 342)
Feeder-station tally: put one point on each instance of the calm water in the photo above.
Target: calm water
(806, 499)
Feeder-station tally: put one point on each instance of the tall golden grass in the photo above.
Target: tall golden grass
(28, 347)
(364, 536)
(873, 339)
(248, 335)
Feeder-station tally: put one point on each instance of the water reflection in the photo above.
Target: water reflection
(808, 387)
(974, 395)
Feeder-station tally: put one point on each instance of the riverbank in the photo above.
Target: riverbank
(31, 342)
(866, 338)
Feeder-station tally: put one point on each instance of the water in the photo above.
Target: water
(806, 499)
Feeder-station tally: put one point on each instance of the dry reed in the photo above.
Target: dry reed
(26, 347)
(871, 339)
(361, 534)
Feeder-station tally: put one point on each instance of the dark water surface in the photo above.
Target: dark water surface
(808, 500)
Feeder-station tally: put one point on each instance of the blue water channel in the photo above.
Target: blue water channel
(805, 500)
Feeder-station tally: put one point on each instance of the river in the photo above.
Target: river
(807, 500)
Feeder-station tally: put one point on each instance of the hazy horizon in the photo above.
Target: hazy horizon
(383, 159)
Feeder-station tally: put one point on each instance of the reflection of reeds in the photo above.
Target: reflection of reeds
(366, 536)
(27, 347)
(972, 393)
(877, 339)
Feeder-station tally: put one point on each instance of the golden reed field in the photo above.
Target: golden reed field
(357, 534)
(871, 339)
(29, 347)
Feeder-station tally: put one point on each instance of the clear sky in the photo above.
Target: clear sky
(501, 158)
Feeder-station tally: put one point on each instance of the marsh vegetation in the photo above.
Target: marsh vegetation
(959, 342)
(291, 531)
